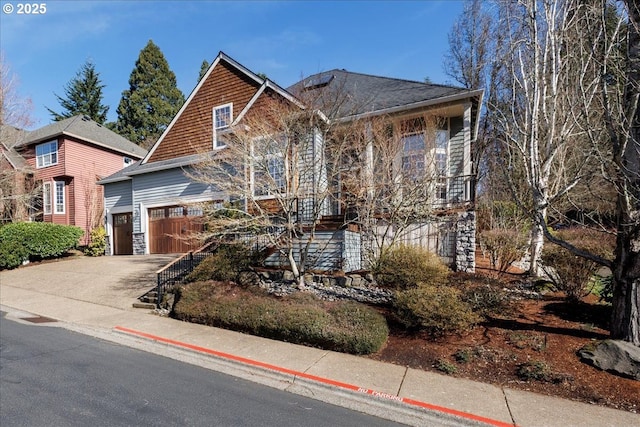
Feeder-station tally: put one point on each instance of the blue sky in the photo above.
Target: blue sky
(286, 40)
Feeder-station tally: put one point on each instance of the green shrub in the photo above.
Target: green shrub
(357, 328)
(486, 300)
(572, 274)
(12, 254)
(445, 366)
(224, 265)
(403, 267)
(38, 240)
(435, 310)
(98, 242)
(534, 370)
(341, 326)
(505, 246)
(603, 287)
(463, 355)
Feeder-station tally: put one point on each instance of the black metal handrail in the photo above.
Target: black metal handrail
(178, 269)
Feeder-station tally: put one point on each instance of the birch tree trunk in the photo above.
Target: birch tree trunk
(625, 322)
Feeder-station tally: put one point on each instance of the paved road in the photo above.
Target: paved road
(55, 377)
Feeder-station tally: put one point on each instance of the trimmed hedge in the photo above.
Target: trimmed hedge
(343, 326)
(437, 310)
(403, 267)
(22, 241)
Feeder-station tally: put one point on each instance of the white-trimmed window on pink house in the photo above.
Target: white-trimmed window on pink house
(59, 197)
(46, 198)
(47, 154)
(222, 118)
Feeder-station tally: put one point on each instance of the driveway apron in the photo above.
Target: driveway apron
(114, 281)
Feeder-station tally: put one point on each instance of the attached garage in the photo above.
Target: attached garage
(173, 229)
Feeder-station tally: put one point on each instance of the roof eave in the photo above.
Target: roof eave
(112, 180)
(420, 104)
(82, 138)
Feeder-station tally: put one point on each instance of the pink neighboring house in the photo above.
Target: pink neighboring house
(67, 158)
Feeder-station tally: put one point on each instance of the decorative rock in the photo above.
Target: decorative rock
(288, 275)
(329, 288)
(246, 278)
(618, 357)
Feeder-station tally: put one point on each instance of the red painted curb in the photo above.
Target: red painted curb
(322, 380)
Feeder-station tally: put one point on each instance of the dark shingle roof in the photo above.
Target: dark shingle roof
(340, 93)
(10, 137)
(86, 129)
(138, 168)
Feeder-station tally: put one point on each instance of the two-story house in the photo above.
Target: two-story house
(67, 158)
(154, 205)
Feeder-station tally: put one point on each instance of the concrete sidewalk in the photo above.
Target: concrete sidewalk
(95, 296)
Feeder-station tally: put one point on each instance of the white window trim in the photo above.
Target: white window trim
(253, 180)
(42, 156)
(252, 172)
(443, 180)
(216, 128)
(55, 198)
(46, 194)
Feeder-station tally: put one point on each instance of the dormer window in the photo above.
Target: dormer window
(222, 118)
(47, 154)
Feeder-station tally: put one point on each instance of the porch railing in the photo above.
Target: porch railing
(177, 270)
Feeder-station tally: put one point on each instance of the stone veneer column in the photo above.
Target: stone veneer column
(139, 247)
(466, 242)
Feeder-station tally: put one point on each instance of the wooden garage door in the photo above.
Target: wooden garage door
(122, 234)
(171, 229)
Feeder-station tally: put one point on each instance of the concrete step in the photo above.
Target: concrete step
(145, 305)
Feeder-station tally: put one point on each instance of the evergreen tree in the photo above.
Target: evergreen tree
(83, 95)
(152, 100)
(203, 69)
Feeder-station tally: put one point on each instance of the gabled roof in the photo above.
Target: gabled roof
(264, 84)
(10, 137)
(82, 127)
(348, 95)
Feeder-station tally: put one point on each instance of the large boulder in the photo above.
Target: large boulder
(618, 357)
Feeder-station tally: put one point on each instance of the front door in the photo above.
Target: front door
(122, 234)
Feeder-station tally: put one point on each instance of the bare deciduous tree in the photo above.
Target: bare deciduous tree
(17, 190)
(567, 113)
(388, 182)
(275, 172)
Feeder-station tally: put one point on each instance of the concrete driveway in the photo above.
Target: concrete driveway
(114, 281)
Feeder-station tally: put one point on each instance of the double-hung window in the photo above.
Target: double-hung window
(413, 156)
(46, 197)
(47, 154)
(59, 197)
(269, 167)
(222, 118)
